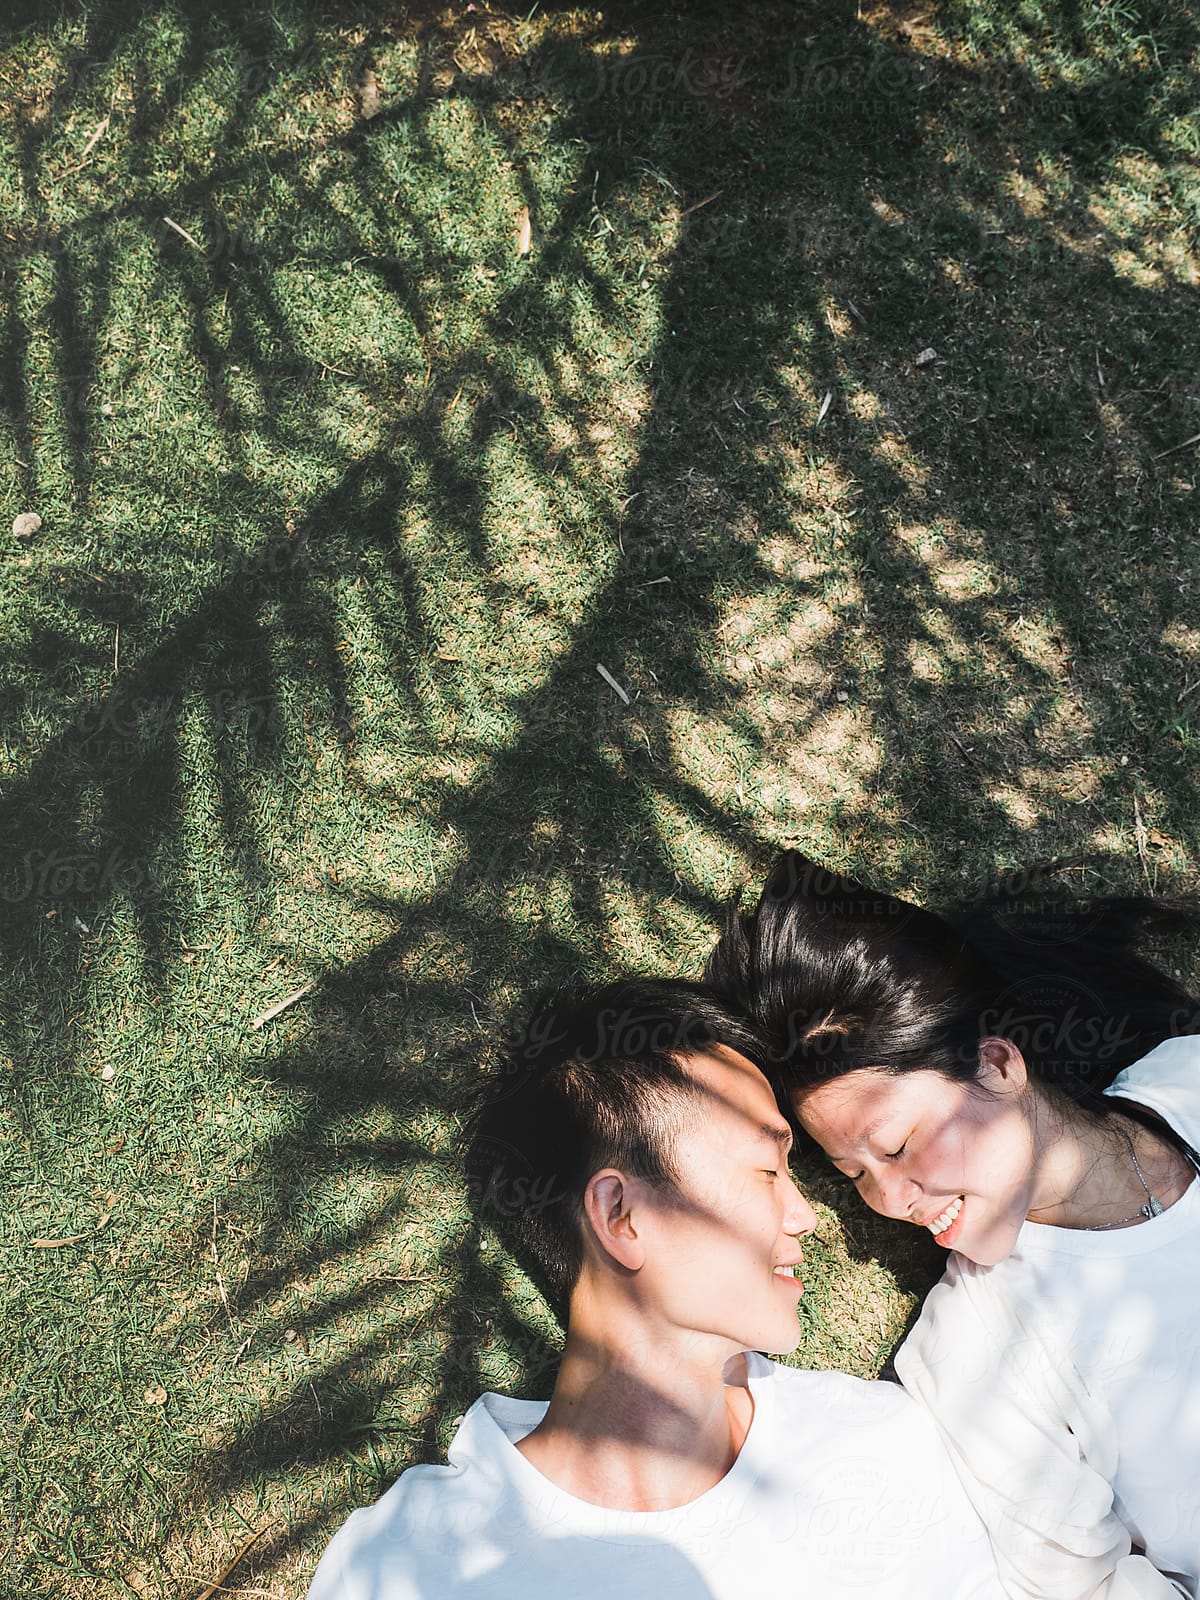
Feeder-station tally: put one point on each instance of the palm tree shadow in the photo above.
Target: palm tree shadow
(254, 674)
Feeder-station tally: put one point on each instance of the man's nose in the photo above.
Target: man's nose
(800, 1216)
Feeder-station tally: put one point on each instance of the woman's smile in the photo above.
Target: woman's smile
(945, 1227)
(954, 1157)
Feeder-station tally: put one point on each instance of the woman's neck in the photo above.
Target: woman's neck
(1087, 1169)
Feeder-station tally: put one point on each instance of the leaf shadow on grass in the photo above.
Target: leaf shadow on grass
(719, 472)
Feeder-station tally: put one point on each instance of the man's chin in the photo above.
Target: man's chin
(765, 1340)
(779, 1344)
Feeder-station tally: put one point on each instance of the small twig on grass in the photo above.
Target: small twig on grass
(1195, 439)
(962, 750)
(217, 1271)
(272, 1012)
(217, 1585)
(222, 1588)
(707, 201)
(1141, 835)
(184, 234)
(100, 131)
(611, 681)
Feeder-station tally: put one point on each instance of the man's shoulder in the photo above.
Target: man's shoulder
(418, 1534)
(814, 1388)
(836, 1409)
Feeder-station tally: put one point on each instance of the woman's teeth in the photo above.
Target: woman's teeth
(784, 1272)
(940, 1224)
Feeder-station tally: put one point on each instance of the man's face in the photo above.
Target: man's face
(723, 1244)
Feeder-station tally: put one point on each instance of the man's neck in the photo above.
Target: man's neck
(638, 1426)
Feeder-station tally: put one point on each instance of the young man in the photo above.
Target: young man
(636, 1163)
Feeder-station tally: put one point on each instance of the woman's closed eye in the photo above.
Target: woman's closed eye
(891, 1155)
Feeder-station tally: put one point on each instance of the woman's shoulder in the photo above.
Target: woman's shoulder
(1167, 1081)
(978, 1320)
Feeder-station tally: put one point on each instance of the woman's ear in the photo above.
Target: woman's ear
(1002, 1066)
(609, 1206)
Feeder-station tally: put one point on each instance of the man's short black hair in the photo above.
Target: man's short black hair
(596, 1079)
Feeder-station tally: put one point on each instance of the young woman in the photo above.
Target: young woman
(1019, 1080)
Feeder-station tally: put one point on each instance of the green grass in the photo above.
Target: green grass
(343, 501)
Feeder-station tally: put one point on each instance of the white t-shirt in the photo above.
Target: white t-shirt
(842, 1488)
(1066, 1381)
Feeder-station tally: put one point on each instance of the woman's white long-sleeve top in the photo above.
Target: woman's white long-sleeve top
(1066, 1383)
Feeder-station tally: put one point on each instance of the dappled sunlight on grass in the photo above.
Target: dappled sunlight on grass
(345, 498)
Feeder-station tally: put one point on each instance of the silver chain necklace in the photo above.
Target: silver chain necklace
(1153, 1207)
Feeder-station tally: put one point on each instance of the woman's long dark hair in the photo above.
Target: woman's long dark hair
(841, 977)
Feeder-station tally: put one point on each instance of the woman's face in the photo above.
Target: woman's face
(956, 1158)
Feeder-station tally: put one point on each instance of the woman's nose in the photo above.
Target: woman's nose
(897, 1195)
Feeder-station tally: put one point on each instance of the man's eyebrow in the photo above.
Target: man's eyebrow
(780, 1136)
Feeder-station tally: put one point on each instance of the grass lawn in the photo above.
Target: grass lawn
(825, 373)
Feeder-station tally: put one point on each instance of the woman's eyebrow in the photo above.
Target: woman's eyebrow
(861, 1138)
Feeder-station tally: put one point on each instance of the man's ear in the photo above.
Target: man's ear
(609, 1205)
(1001, 1065)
